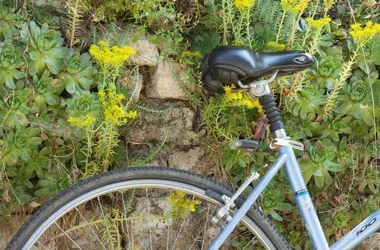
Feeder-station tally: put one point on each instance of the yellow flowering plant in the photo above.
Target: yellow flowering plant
(110, 59)
(296, 8)
(275, 46)
(236, 98)
(244, 5)
(362, 34)
(319, 23)
(113, 113)
(181, 206)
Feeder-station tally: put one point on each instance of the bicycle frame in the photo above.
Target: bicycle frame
(305, 205)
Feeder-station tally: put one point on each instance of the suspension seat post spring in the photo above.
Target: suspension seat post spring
(268, 103)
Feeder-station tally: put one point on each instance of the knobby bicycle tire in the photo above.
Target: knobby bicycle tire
(51, 211)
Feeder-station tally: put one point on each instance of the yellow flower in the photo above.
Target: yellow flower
(112, 110)
(318, 24)
(89, 120)
(240, 99)
(238, 43)
(111, 57)
(181, 206)
(276, 46)
(294, 6)
(244, 5)
(103, 43)
(191, 55)
(361, 34)
(329, 3)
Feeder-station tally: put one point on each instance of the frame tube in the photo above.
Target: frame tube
(304, 202)
(223, 235)
(362, 231)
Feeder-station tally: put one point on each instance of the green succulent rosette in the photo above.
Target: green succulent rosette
(10, 63)
(78, 73)
(44, 47)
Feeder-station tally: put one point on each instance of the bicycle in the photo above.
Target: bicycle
(185, 202)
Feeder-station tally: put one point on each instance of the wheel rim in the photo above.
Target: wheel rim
(137, 184)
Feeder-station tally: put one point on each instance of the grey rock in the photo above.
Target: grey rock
(195, 160)
(53, 5)
(146, 52)
(133, 81)
(155, 127)
(166, 82)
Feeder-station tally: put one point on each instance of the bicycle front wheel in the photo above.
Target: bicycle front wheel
(141, 208)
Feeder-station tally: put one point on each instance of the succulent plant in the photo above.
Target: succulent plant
(356, 99)
(10, 63)
(308, 101)
(44, 47)
(14, 107)
(8, 23)
(274, 200)
(38, 163)
(333, 128)
(327, 68)
(19, 144)
(78, 73)
(46, 91)
(82, 105)
(319, 161)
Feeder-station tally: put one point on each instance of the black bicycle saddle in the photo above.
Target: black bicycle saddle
(225, 65)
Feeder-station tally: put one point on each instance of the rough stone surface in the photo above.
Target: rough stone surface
(55, 5)
(146, 52)
(164, 84)
(134, 83)
(154, 127)
(192, 160)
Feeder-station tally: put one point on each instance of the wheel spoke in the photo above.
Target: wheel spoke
(42, 245)
(68, 236)
(126, 221)
(91, 229)
(105, 224)
(168, 234)
(148, 211)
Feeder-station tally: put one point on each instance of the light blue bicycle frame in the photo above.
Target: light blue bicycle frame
(362, 231)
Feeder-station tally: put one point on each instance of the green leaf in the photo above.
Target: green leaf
(326, 176)
(52, 99)
(241, 162)
(70, 85)
(344, 108)
(357, 111)
(307, 175)
(34, 67)
(9, 81)
(367, 117)
(24, 155)
(319, 181)
(284, 207)
(34, 55)
(35, 141)
(365, 67)
(276, 216)
(331, 166)
(53, 68)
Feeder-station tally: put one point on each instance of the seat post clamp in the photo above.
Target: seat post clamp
(280, 142)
